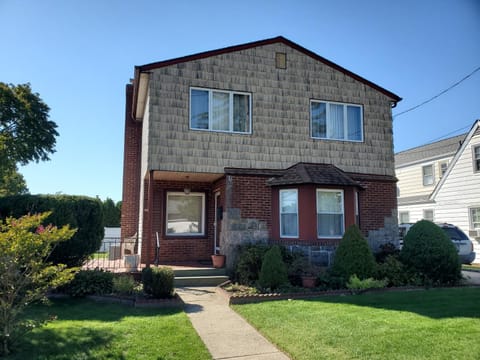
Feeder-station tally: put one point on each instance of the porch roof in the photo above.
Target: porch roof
(308, 173)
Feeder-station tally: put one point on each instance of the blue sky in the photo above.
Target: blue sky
(79, 55)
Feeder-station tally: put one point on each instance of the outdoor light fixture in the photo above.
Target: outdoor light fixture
(186, 191)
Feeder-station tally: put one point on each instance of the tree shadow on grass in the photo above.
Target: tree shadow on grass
(85, 309)
(433, 303)
(71, 343)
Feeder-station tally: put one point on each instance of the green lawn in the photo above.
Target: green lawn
(89, 330)
(432, 324)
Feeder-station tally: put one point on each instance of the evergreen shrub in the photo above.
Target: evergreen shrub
(353, 256)
(81, 213)
(158, 282)
(273, 272)
(90, 282)
(428, 252)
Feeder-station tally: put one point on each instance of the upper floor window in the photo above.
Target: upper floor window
(428, 177)
(185, 214)
(335, 121)
(476, 158)
(218, 110)
(330, 214)
(443, 168)
(289, 213)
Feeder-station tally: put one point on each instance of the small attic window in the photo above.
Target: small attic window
(280, 60)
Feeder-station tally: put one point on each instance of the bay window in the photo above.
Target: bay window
(330, 213)
(218, 110)
(185, 214)
(336, 121)
(289, 213)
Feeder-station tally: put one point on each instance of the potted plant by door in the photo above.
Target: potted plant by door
(218, 260)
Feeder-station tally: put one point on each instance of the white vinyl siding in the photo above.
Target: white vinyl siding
(289, 213)
(330, 213)
(218, 110)
(336, 121)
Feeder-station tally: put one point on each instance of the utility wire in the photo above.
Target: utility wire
(450, 133)
(439, 94)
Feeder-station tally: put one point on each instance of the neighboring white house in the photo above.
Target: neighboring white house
(441, 182)
(110, 238)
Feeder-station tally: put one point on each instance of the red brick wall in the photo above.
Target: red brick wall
(131, 170)
(253, 196)
(180, 248)
(377, 201)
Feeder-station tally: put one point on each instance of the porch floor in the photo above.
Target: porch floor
(118, 266)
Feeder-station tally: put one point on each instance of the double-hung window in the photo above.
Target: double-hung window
(289, 213)
(185, 214)
(475, 218)
(330, 213)
(428, 176)
(336, 121)
(218, 110)
(476, 158)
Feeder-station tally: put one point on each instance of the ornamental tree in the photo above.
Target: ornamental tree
(25, 274)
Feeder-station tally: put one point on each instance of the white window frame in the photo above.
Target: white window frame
(345, 120)
(402, 214)
(470, 215)
(281, 213)
(337, 236)
(423, 175)
(202, 222)
(475, 159)
(230, 106)
(440, 164)
(425, 217)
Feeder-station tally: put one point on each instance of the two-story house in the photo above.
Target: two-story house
(265, 141)
(440, 182)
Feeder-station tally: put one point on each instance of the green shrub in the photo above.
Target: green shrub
(273, 272)
(328, 281)
(393, 271)
(386, 250)
(357, 285)
(353, 256)
(90, 282)
(158, 282)
(249, 263)
(81, 213)
(123, 285)
(428, 252)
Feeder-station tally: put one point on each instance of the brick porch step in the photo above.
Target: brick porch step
(199, 277)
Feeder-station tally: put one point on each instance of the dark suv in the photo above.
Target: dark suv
(461, 241)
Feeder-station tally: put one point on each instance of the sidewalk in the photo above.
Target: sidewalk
(224, 332)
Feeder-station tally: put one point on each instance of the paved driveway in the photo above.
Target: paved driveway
(471, 277)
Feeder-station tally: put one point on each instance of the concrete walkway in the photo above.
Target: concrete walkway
(226, 334)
